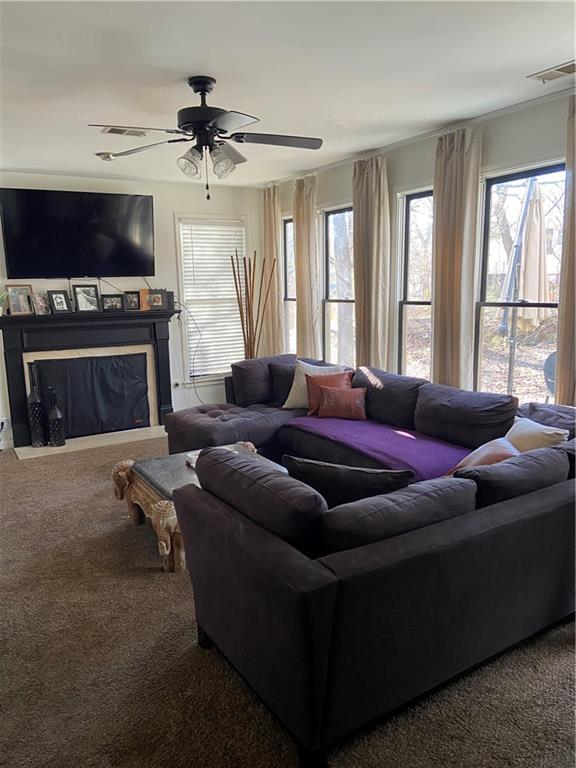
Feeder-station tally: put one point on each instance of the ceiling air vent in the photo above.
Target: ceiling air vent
(123, 131)
(562, 70)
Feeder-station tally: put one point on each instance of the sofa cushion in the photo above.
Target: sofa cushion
(298, 396)
(342, 404)
(381, 517)
(340, 484)
(517, 476)
(388, 447)
(560, 416)
(223, 424)
(489, 453)
(463, 417)
(284, 506)
(390, 398)
(342, 380)
(309, 445)
(252, 380)
(282, 376)
(527, 435)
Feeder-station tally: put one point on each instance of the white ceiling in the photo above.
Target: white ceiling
(359, 75)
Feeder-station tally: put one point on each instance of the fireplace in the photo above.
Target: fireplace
(98, 393)
(118, 362)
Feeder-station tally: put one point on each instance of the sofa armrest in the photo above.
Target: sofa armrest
(267, 607)
(229, 389)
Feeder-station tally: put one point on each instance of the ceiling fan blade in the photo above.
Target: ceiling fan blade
(114, 155)
(301, 142)
(134, 128)
(231, 121)
(232, 153)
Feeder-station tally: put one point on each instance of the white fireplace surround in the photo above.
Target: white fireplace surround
(65, 354)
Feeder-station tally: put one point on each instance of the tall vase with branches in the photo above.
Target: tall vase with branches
(252, 295)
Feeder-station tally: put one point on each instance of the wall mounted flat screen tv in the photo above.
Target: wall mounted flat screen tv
(76, 234)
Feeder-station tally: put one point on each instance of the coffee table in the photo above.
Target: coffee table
(147, 487)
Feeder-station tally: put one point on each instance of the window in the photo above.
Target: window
(213, 337)
(415, 320)
(339, 320)
(289, 288)
(517, 315)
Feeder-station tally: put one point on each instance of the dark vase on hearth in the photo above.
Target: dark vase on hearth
(36, 412)
(55, 421)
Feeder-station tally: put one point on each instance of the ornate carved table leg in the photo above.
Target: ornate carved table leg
(165, 523)
(179, 553)
(122, 478)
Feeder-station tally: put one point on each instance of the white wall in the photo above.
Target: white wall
(169, 199)
(533, 135)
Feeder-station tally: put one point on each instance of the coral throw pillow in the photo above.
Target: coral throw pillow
(490, 453)
(298, 396)
(315, 383)
(342, 403)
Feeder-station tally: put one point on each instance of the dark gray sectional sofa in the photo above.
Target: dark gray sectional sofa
(411, 422)
(337, 616)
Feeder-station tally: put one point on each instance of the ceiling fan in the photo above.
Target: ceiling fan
(210, 128)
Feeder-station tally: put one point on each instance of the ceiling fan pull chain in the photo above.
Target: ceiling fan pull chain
(206, 166)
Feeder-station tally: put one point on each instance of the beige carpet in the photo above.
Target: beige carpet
(100, 666)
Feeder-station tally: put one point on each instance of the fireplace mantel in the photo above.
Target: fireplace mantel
(76, 330)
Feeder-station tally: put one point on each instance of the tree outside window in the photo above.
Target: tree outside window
(517, 317)
(339, 320)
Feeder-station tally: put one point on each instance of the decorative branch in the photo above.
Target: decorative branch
(251, 307)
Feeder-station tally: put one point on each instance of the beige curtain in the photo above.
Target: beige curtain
(308, 331)
(456, 189)
(566, 357)
(273, 331)
(371, 261)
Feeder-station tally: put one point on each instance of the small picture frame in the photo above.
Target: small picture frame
(59, 302)
(40, 303)
(144, 307)
(156, 298)
(20, 299)
(131, 301)
(112, 302)
(86, 298)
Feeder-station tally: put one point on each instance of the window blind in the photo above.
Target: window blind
(212, 322)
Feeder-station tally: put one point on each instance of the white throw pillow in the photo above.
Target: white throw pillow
(527, 435)
(298, 397)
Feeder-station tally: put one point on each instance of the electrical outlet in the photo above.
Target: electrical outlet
(4, 423)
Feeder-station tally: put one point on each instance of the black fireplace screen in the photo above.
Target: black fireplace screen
(98, 394)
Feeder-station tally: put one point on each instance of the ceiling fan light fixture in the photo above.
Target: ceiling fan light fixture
(222, 164)
(191, 163)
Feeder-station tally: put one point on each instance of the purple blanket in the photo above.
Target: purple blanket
(392, 447)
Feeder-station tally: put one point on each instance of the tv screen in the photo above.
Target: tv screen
(76, 234)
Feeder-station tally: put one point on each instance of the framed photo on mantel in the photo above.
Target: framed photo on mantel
(20, 299)
(112, 302)
(86, 298)
(40, 303)
(153, 298)
(131, 301)
(59, 302)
